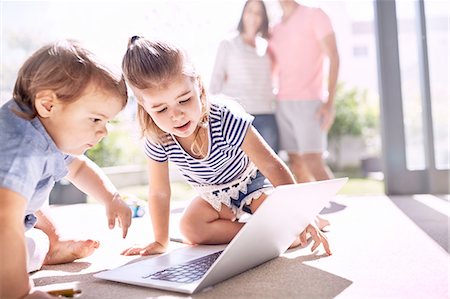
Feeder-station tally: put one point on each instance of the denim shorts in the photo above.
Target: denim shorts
(254, 190)
(237, 194)
(266, 125)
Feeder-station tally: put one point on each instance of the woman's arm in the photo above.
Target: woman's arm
(219, 74)
(265, 159)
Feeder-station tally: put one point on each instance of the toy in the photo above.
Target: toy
(136, 205)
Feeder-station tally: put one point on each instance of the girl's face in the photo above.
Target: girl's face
(252, 17)
(177, 108)
(77, 126)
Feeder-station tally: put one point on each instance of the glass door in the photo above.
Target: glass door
(412, 38)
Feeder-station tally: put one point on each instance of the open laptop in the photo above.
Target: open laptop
(268, 233)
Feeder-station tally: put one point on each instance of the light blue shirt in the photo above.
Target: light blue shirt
(30, 162)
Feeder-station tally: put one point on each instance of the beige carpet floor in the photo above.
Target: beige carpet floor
(382, 248)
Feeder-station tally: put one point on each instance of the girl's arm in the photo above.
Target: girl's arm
(273, 168)
(265, 159)
(90, 179)
(159, 207)
(14, 282)
(159, 199)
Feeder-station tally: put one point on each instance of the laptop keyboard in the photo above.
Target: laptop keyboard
(186, 272)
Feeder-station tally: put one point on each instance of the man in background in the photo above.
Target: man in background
(299, 45)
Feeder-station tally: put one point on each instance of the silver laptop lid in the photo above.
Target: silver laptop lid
(274, 226)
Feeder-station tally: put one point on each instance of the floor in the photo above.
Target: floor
(383, 247)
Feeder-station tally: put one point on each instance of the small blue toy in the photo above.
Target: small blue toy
(136, 205)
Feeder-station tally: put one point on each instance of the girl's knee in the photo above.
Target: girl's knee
(192, 234)
(185, 224)
(196, 239)
(191, 229)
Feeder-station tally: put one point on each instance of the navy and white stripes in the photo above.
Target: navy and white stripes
(225, 161)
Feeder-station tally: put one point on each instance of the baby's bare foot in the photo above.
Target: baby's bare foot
(67, 251)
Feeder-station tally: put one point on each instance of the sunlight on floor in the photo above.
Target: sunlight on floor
(437, 204)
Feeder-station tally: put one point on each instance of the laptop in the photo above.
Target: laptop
(267, 234)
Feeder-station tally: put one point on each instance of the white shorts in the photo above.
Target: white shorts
(37, 248)
(299, 128)
(237, 194)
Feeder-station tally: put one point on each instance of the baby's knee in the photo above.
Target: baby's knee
(38, 245)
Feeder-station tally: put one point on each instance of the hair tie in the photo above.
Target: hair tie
(134, 38)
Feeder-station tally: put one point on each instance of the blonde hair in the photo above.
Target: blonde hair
(66, 68)
(154, 65)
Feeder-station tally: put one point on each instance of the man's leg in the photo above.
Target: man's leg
(317, 166)
(314, 166)
(299, 168)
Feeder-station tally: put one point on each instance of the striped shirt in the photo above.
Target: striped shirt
(244, 72)
(225, 160)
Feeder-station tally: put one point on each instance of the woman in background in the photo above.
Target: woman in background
(243, 70)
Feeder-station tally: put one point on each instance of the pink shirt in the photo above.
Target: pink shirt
(298, 55)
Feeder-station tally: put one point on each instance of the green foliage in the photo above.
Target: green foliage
(363, 186)
(117, 148)
(354, 116)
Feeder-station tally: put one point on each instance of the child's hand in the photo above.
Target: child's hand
(117, 208)
(152, 248)
(317, 236)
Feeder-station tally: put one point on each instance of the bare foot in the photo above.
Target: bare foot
(67, 251)
(322, 222)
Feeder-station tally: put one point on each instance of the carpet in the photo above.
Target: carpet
(379, 251)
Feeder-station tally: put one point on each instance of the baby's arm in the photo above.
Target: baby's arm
(89, 178)
(265, 159)
(14, 282)
(159, 206)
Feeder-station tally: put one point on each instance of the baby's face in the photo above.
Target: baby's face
(79, 125)
(176, 108)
